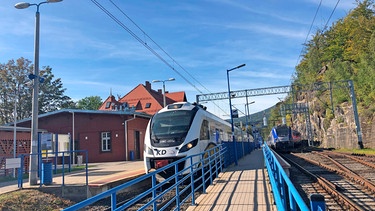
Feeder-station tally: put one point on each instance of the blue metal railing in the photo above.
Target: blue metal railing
(243, 148)
(63, 164)
(184, 182)
(285, 194)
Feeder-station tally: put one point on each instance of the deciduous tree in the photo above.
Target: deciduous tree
(90, 103)
(16, 88)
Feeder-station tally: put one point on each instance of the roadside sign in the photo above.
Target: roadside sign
(11, 163)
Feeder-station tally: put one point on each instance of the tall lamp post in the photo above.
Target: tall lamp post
(35, 76)
(231, 114)
(163, 81)
(247, 105)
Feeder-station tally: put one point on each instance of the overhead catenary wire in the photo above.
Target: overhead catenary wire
(308, 33)
(122, 25)
(312, 24)
(145, 34)
(141, 41)
(333, 11)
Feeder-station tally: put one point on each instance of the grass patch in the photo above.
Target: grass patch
(365, 151)
(32, 200)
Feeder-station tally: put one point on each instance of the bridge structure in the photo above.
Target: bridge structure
(295, 108)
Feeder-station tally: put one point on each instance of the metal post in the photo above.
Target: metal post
(248, 111)
(73, 137)
(163, 81)
(164, 101)
(231, 122)
(34, 120)
(15, 133)
(331, 98)
(33, 180)
(356, 118)
(231, 114)
(247, 122)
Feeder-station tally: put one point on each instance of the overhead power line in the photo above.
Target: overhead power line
(134, 35)
(312, 24)
(140, 40)
(333, 11)
(145, 34)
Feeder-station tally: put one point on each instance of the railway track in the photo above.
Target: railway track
(345, 181)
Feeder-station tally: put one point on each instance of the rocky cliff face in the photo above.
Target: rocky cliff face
(368, 130)
(337, 129)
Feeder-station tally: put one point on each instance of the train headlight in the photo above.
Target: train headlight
(189, 145)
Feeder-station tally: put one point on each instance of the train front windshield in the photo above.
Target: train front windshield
(170, 128)
(282, 131)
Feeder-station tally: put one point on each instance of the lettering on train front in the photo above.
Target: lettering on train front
(161, 151)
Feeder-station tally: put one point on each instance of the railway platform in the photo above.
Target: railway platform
(241, 187)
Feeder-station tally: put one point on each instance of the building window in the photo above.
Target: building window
(108, 104)
(106, 141)
(148, 105)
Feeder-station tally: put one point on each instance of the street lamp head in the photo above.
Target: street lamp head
(239, 66)
(170, 79)
(22, 5)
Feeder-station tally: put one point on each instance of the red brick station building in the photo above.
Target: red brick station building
(114, 132)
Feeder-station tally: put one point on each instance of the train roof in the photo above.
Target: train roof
(190, 106)
(182, 106)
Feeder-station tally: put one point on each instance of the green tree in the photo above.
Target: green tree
(312, 61)
(16, 87)
(345, 51)
(51, 96)
(90, 103)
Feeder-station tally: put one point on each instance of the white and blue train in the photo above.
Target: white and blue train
(180, 130)
(283, 138)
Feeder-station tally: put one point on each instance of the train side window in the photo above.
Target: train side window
(229, 136)
(204, 133)
(213, 130)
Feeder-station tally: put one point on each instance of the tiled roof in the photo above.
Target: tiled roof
(143, 99)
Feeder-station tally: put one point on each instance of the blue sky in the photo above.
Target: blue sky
(200, 40)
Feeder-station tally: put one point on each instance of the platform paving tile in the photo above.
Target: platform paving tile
(241, 187)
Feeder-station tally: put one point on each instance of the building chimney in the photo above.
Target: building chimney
(159, 91)
(148, 86)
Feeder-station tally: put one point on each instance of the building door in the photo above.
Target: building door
(137, 145)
